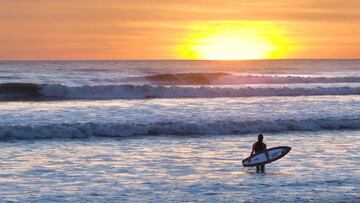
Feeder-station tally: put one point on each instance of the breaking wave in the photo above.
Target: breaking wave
(19, 91)
(87, 130)
(180, 78)
(147, 91)
(222, 78)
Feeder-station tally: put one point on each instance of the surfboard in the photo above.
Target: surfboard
(266, 156)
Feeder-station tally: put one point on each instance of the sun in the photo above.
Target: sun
(234, 41)
(227, 47)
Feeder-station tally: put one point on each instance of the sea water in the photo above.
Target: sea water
(171, 131)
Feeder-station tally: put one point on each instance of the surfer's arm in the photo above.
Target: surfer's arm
(253, 150)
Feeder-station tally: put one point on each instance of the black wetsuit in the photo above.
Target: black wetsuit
(258, 147)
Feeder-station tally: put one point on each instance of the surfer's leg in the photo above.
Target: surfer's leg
(262, 168)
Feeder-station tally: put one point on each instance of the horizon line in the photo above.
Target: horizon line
(278, 59)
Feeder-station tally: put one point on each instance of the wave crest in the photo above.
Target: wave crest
(87, 130)
(148, 91)
(19, 91)
(25, 91)
(223, 78)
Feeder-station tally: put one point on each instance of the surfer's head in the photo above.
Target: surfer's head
(260, 137)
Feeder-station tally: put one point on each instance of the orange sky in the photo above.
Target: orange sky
(179, 29)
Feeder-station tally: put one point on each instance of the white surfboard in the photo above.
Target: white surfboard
(266, 156)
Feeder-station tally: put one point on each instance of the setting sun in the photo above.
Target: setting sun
(232, 41)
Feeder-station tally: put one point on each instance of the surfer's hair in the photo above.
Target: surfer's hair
(260, 137)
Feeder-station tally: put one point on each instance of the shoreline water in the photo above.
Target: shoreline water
(323, 166)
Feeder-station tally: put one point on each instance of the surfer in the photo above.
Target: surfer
(258, 147)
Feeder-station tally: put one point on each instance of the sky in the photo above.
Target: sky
(179, 29)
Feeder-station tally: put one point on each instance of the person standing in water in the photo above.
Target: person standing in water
(258, 147)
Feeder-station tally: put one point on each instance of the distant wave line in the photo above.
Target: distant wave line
(29, 91)
(227, 127)
(223, 78)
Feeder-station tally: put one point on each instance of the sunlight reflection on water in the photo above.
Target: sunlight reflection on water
(321, 166)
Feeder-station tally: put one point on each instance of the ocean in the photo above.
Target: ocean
(176, 131)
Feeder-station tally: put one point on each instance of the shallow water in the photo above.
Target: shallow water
(322, 166)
